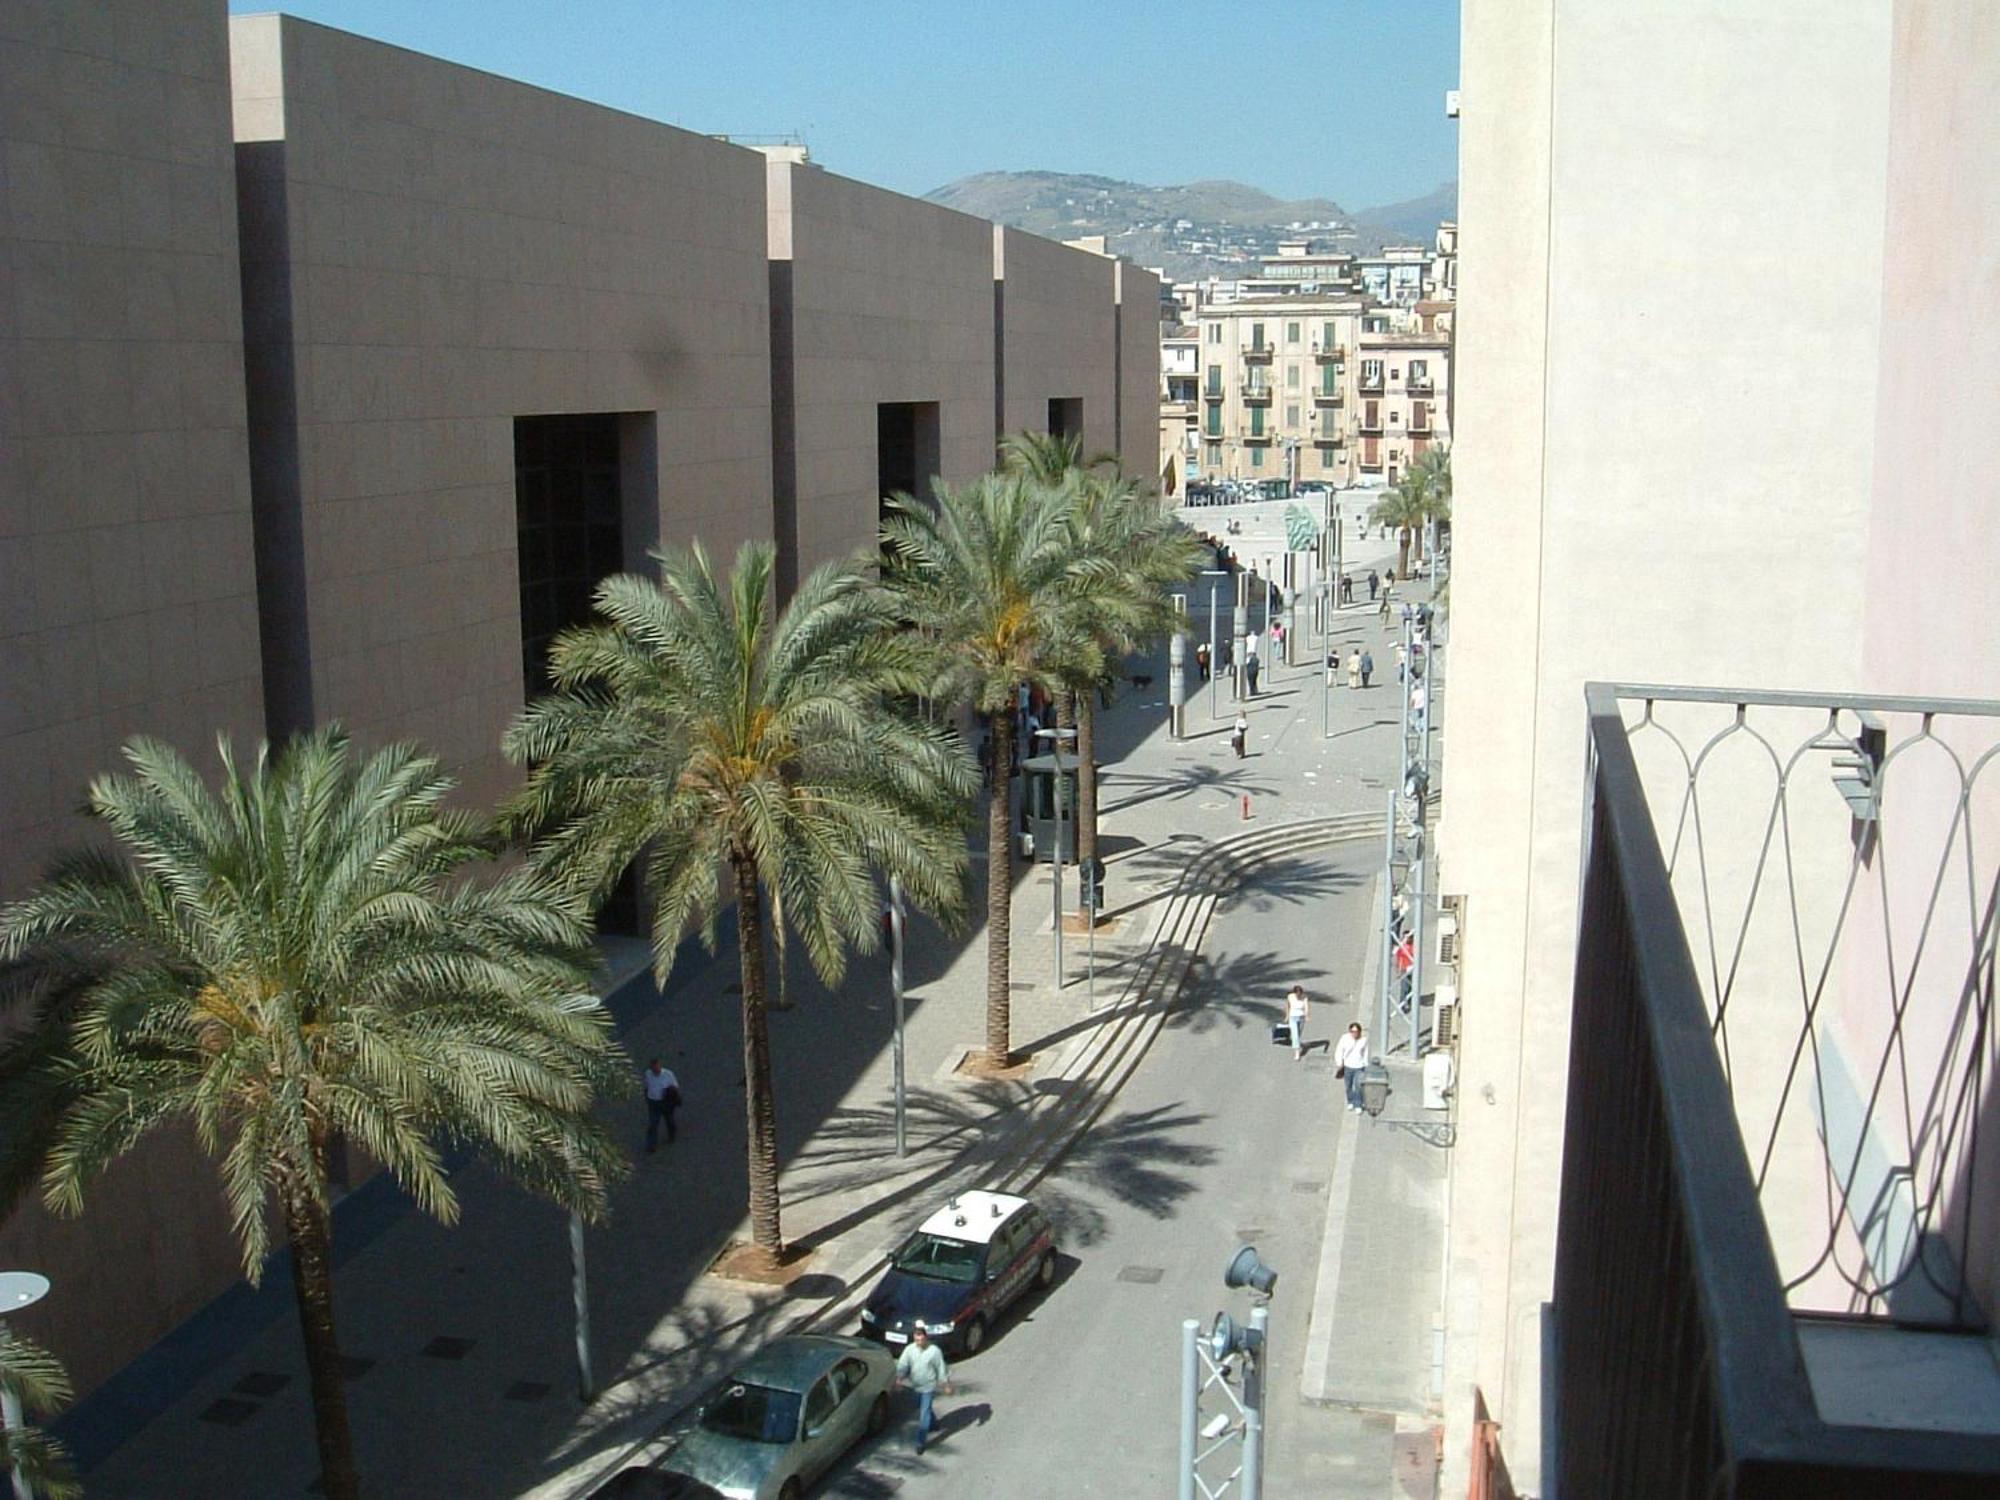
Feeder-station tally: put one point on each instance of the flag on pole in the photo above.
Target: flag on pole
(1301, 529)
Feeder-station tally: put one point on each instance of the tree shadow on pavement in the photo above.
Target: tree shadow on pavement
(1244, 989)
(1289, 882)
(1141, 1158)
(1180, 783)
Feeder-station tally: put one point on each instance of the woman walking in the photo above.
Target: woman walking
(1296, 1009)
(1239, 734)
(1354, 669)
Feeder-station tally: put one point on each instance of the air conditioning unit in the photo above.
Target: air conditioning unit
(1445, 1028)
(1447, 931)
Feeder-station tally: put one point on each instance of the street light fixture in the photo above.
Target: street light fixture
(19, 1290)
(1056, 738)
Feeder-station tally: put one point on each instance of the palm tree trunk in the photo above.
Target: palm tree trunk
(311, 1231)
(999, 891)
(1402, 552)
(1086, 777)
(760, 1104)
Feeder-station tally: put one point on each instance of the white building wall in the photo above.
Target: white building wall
(1665, 432)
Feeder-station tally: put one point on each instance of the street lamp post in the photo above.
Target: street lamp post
(1055, 738)
(897, 928)
(18, 1290)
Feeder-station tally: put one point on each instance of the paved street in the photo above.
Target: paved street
(460, 1340)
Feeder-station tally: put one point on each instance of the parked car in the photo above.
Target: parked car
(783, 1418)
(653, 1484)
(960, 1271)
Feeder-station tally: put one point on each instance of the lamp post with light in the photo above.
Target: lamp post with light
(18, 1290)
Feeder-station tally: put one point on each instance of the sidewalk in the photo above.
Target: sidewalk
(460, 1341)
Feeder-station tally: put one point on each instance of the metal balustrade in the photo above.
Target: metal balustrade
(1778, 1230)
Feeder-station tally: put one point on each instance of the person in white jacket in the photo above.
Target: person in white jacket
(1350, 1058)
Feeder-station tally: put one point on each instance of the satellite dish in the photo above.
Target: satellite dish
(19, 1289)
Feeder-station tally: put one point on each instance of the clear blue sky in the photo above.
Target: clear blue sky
(1304, 98)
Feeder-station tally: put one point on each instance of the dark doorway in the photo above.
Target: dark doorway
(572, 475)
(1066, 417)
(906, 447)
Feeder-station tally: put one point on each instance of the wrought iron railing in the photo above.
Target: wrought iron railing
(1777, 1242)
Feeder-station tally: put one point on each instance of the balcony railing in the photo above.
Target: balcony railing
(1211, 393)
(1372, 426)
(1418, 383)
(1256, 391)
(1329, 353)
(1324, 397)
(1777, 1226)
(1253, 435)
(1371, 382)
(1258, 353)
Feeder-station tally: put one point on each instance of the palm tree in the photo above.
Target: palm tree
(36, 1382)
(1128, 554)
(697, 727)
(985, 575)
(1404, 505)
(295, 962)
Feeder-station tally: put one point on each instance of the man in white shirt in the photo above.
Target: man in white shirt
(922, 1368)
(1350, 1059)
(663, 1097)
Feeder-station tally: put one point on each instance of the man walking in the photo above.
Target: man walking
(1350, 1060)
(1367, 666)
(663, 1097)
(1374, 583)
(922, 1368)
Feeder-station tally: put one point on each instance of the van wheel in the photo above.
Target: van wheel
(878, 1415)
(790, 1490)
(1045, 1273)
(975, 1336)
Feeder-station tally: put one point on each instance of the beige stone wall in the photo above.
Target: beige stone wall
(1138, 372)
(127, 598)
(1059, 311)
(1646, 489)
(436, 251)
(892, 301)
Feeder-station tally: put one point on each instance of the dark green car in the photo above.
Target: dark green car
(784, 1417)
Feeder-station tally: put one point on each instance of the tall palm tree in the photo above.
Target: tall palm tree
(1128, 555)
(985, 574)
(297, 961)
(1404, 505)
(697, 728)
(33, 1378)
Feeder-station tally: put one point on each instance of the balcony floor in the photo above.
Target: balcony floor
(1878, 1375)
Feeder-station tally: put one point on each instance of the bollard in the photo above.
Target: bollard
(1246, 807)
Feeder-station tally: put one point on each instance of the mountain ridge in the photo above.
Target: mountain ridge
(1212, 227)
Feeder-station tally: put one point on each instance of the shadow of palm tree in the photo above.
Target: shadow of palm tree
(1245, 989)
(1182, 782)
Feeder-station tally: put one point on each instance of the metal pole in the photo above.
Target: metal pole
(1214, 657)
(1326, 681)
(1055, 868)
(1091, 993)
(896, 931)
(586, 1383)
(1388, 925)
(1253, 1402)
(1190, 1405)
(1177, 685)
(1241, 622)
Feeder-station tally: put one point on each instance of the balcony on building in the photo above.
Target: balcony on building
(1420, 418)
(1251, 434)
(1418, 383)
(1371, 382)
(1775, 1266)
(1329, 354)
(1258, 353)
(1257, 390)
(1370, 423)
(1212, 391)
(1328, 396)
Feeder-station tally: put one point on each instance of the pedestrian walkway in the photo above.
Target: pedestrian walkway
(460, 1341)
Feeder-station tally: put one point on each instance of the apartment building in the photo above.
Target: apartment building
(1402, 392)
(1277, 389)
(336, 375)
(1180, 406)
(1690, 910)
